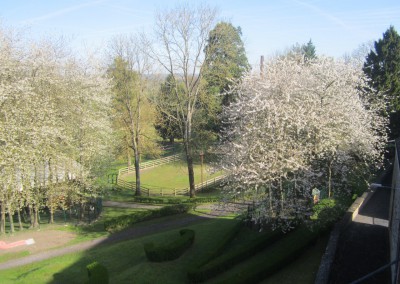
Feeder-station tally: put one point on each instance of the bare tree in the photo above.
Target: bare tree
(181, 34)
(130, 72)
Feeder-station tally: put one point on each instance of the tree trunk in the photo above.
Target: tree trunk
(19, 220)
(189, 160)
(2, 219)
(138, 191)
(329, 179)
(35, 219)
(10, 219)
(51, 211)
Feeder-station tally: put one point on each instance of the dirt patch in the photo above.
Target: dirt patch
(44, 240)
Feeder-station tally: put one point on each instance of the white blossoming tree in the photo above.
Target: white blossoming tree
(300, 125)
(53, 124)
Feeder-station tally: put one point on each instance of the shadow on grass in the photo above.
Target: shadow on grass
(123, 254)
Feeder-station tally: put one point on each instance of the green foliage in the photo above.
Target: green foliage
(225, 63)
(226, 261)
(175, 200)
(309, 50)
(98, 273)
(125, 221)
(225, 58)
(171, 250)
(382, 67)
(305, 50)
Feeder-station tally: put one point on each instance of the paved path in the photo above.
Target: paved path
(363, 247)
(134, 232)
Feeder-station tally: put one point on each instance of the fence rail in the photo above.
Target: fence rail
(150, 164)
(148, 190)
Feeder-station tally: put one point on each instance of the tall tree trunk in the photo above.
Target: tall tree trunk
(2, 218)
(19, 220)
(329, 179)
(35, 221)
(10, 219)
(138, 191)
(189, 160)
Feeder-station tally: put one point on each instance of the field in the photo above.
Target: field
(171, 176)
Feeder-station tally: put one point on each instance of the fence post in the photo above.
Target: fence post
(174, 191)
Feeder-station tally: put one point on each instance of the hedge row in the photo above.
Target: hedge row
(98, 273)
(226, 261)
(279, 255)
(220, 247)
(172, 250)
(125, 221)
(174, 200)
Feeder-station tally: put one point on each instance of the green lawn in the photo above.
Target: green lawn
(125, 261)
(171, 176)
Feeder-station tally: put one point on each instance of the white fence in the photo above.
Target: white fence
(148, 190)
(150, 164)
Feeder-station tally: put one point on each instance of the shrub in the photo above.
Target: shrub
(174, 200)
(98, 274)
(125, 221)
(172, 250)
(226, 261)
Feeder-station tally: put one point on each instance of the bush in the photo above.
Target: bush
(98, 274)
(172, 250)
(226, 261)
(279, 255)
(174, 200)
(125, 221)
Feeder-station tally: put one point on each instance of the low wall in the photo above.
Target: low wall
(330, 251)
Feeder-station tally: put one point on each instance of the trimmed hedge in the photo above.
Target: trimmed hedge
(226, 261)
(174, 200)
(172, 250)
(125, 221)
(98, 273)
(279, 255)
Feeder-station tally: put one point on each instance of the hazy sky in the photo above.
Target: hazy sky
(336, 27)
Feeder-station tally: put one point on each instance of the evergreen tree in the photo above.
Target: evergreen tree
(309, 50)
(382, 67)
(225, 59)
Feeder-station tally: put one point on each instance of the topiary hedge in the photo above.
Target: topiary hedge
(226, 261)
(171, 250)
(125, 221)
(98, 273)
(174, 200)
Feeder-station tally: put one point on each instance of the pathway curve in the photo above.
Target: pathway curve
(129, 234)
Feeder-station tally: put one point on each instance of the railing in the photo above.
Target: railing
(159, 191)
(394, 215)
(150, 164)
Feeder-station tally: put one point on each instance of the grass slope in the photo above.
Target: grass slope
(125, 261)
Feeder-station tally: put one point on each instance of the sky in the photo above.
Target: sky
(336, 27)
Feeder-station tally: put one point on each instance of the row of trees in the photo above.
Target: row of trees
(54, 126)
(199, 62)
(304, 123)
